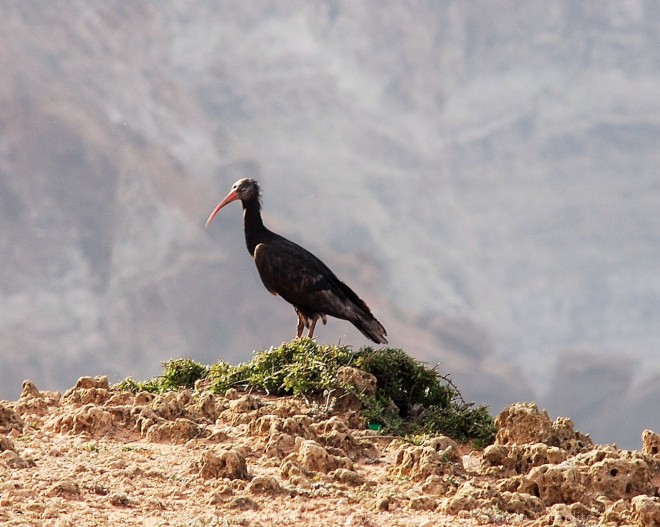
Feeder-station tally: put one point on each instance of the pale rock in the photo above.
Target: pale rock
(9, 419)
(646, 511)
(563, 483)
(180, 431)
(89, 390)
(420, 462)
(349, 477)
(510, 460)
(361, 381)
(65, 488)
(29, 390)
(620, 478)
(89, 419)
(521, 424)
(228, 464)
(423, 503)
(558, 515)
(651, 443)
(264, 485)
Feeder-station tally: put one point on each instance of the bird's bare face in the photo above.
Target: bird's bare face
(245, 189)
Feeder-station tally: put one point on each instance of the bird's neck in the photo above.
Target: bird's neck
(255, 231)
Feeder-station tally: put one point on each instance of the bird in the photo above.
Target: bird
(295, 274)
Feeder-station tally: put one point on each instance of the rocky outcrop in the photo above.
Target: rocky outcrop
(240, 452)
(563, 468)
(226, 463)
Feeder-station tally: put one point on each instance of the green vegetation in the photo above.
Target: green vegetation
(92, 447)
(414, 399)
(410, 399)
(299, 367)
(179, 373)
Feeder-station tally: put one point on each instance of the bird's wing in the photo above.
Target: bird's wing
(288, 270)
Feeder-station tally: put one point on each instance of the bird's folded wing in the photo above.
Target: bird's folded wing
(287, 269)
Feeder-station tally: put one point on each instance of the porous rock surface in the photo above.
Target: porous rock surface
(99, 456)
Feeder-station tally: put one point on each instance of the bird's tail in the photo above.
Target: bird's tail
(371, 328)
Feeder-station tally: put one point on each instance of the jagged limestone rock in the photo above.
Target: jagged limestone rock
(646, 511)
(89, 419)
(230, 464)
(521, 424)
(89, 390)
(179, 431)
(651, 443)
(510, 460)
(9, 419)
(524, 423)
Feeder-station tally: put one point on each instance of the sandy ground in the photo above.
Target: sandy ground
(97, 456)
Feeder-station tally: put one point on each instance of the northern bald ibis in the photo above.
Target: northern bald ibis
(295, 274)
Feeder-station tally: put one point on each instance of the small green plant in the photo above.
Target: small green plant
(92, 447)
(130, 448)
(299, 367)
(414, 399)
(178, 373)
(182, 373)
(131, 385)
(404, 380)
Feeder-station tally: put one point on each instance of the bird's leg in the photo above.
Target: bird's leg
(310, 334)
(301, 324)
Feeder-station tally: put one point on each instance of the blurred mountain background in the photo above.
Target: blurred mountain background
(486, 175)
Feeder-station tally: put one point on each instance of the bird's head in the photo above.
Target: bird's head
(246, 189)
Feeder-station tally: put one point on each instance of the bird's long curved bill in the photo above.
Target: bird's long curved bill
(232, 196)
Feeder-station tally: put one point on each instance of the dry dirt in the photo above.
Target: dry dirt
(98, 456)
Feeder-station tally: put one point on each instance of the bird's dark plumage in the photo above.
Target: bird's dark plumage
(295, 274)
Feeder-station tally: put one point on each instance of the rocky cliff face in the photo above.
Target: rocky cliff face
(485, 176)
